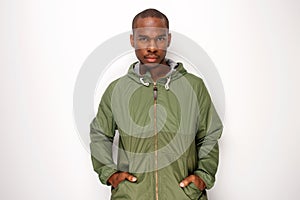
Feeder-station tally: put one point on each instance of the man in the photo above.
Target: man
(168, 127)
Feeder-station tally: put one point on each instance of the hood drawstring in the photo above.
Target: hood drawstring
(167, 87)
(142, 81)
(167, 83)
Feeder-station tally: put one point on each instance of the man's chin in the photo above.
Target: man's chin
(151, 65)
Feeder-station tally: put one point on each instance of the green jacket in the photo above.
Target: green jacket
(167, 131)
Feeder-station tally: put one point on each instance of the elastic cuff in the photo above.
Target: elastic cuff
(208, 180)
(105, 176)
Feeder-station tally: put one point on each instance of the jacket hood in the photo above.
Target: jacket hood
(176, 71)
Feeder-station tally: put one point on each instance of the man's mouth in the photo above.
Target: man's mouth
(151, 59)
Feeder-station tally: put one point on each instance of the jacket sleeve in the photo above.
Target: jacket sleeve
(102, 131)
(209, 131)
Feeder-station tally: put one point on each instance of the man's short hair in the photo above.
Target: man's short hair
(151, 12)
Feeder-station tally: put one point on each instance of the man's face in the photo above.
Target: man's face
(150, 39)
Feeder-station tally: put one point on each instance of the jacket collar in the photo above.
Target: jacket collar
(176, 71)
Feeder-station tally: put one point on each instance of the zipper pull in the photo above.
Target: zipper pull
(155, 92)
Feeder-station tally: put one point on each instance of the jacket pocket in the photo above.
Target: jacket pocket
(176, 172)
(115, 190)
(192, 191)
(129, 190)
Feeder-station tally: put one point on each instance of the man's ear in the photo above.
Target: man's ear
(169, 39)
(131, 40)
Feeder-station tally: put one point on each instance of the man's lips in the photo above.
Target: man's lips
(151, 58)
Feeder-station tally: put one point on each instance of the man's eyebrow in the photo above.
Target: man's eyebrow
(140, 35)
(162, 35)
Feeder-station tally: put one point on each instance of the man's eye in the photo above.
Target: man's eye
(161, 38)
(142, 39)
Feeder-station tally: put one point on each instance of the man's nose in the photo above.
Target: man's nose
(152, 45)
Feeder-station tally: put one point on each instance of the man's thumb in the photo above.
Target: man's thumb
(131, 178)
(185, 182)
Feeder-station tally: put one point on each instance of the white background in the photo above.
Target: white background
(254, 44)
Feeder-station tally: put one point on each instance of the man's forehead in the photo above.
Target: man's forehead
(151, 31)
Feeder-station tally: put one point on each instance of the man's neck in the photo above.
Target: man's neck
(156, 72)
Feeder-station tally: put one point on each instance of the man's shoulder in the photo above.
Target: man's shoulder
(112, 84)
(193, 78)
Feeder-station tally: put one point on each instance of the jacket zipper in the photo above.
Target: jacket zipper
(156, 141)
